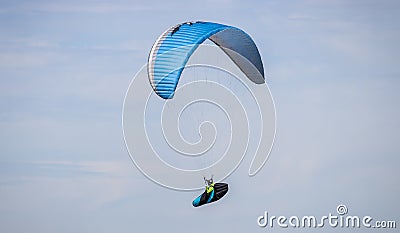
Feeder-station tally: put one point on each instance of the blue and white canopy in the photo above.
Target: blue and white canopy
(173, 48)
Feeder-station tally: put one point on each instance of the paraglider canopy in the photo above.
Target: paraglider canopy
(173, 48)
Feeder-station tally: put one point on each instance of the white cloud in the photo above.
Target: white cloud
(90, 183)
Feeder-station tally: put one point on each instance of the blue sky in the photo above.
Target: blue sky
(332, 67)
